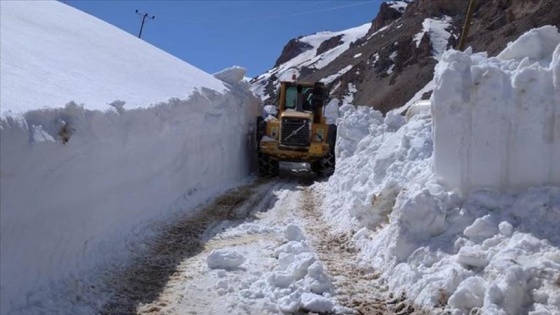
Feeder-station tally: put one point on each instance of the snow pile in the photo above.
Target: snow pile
(497, 120)
(490, 251)
(297, 281)
(81, 179)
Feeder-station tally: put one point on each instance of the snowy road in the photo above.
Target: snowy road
(259, 249)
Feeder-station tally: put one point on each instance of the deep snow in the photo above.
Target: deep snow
(495, 250)
(497, 120)
(171, 137)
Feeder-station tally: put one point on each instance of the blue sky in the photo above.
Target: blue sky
(213, 35)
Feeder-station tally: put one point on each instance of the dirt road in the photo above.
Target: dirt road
(174, 276)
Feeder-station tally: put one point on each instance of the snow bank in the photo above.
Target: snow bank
(79, 180)
(489, 251)
(65, 207)
(497, 120)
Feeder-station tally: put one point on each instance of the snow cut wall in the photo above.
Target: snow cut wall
(497, 120)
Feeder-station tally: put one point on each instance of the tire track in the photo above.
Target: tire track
(144, 280)
(358, 288)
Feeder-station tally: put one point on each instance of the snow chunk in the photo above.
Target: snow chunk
(484, 227)
(536, 44)
(292, 247)
(316, 303)
(224, 259)
(294, 233)
(472, 257)
(231, 75)
(469, 294)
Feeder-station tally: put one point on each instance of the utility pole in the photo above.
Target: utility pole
(467, 25)
(143, 17)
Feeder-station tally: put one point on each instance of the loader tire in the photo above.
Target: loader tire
(325, 166)
(267, 166)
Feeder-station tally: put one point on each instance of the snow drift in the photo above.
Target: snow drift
(138, 149)
(489, 251)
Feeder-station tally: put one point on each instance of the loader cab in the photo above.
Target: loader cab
(298, 98)
(302, 97)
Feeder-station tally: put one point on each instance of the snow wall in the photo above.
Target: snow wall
(68, 208)
(497, 120)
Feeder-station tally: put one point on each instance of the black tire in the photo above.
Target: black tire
(325, 166)
(268, 167)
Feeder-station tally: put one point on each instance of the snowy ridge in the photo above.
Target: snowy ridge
(490, 251)
(106, 65)
(309, 58)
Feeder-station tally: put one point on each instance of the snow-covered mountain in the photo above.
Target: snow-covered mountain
(385, 66)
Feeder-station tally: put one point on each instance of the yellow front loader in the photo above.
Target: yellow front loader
(296, 130)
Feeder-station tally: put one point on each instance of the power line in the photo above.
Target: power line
(278, 16)
(143, 17)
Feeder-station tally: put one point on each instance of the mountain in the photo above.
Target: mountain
(383, 64)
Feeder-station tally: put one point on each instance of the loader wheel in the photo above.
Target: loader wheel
(267, 166)
(325, 166)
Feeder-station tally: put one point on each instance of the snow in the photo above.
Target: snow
(231, 76)
(508, 109)
(93, 71)
(490, 249)
(439, 36)
(418, 195)
(399, 5)
(150, 137)
(310, 58)
(337, 75)
(225, 259)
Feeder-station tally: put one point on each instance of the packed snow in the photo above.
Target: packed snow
(100, 136)
(491, 249)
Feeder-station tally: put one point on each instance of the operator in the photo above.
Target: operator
(307, 97)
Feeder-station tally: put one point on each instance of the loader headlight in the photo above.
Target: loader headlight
(274, 132)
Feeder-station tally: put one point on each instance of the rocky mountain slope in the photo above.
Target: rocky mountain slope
(384, 63)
